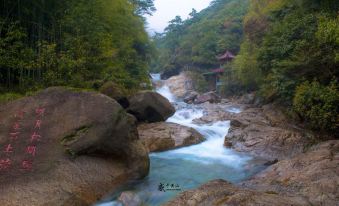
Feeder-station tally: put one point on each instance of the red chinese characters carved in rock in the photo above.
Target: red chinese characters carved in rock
(35, 137)
(37, 124)
(27, 165)
(20, 114)
(5, 164)
(40, 112)
(8, 149)
(14, 135)
(31, 150)
(16, 126)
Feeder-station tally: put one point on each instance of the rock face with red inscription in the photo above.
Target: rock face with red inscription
(62, 147)
(150, 106)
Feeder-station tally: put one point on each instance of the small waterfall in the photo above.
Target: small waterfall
(166, 92)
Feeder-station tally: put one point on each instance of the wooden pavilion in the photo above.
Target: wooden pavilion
(213, 77)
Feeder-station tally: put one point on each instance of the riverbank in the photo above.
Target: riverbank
(302, 169)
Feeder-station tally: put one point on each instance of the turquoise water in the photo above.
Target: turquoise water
(189, 167)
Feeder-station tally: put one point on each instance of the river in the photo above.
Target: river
(189, 167)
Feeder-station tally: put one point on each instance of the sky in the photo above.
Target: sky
(168, 9)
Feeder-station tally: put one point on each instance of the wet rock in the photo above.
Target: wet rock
(56, 161)
(266, 141)
(112, 90)
(236, 123)
(269, 163)
(180, 85)
(210, 97)
(225, 101)
(253, 133)
(129, 199)
(275, 116)
(190, 97)
(220, 192)
(214, 115)
(169, 73)
(150, 106)
(163, 136)
(228, 144)
(247, 99)
(313, 175)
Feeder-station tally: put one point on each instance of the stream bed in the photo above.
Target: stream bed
(178, 170)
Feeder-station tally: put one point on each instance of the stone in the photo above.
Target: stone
(148, 106)
(251, 132)
(221, 192)
(190, 97)
(112, 90)
(129, 198)
(247, 99)
(180, 85)
(313, 175)
(56, 161)
(275, 115)
(169, 73)
(163, 136)
(210, 97)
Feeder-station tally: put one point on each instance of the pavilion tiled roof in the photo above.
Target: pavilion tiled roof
(227, 56)
(215, 71)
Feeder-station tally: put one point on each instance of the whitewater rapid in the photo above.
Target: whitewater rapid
(191, 166)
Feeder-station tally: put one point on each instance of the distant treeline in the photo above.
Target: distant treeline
(78, 43)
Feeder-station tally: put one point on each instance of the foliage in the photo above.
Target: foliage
(7, 97)
(199, 82)
(73, 43)
(287, 44)
(318, 105)
(246, 66)
(230, 80)
(281, 45)
(193, 44)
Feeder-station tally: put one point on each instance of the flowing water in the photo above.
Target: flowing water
(186, 168)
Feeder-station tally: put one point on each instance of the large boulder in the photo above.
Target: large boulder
(168, 73)
(220, 192)
(313, 175)
(190, 97)
(112, 90)
(163, 136)
(252, 132)
(180, 85)
(57, 142)
(150, 106)
(210, 97)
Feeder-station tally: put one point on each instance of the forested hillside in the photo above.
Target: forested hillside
(289, 52)
(77, 43)
(194, 43)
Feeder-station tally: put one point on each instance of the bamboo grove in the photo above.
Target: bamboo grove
(78, 43)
